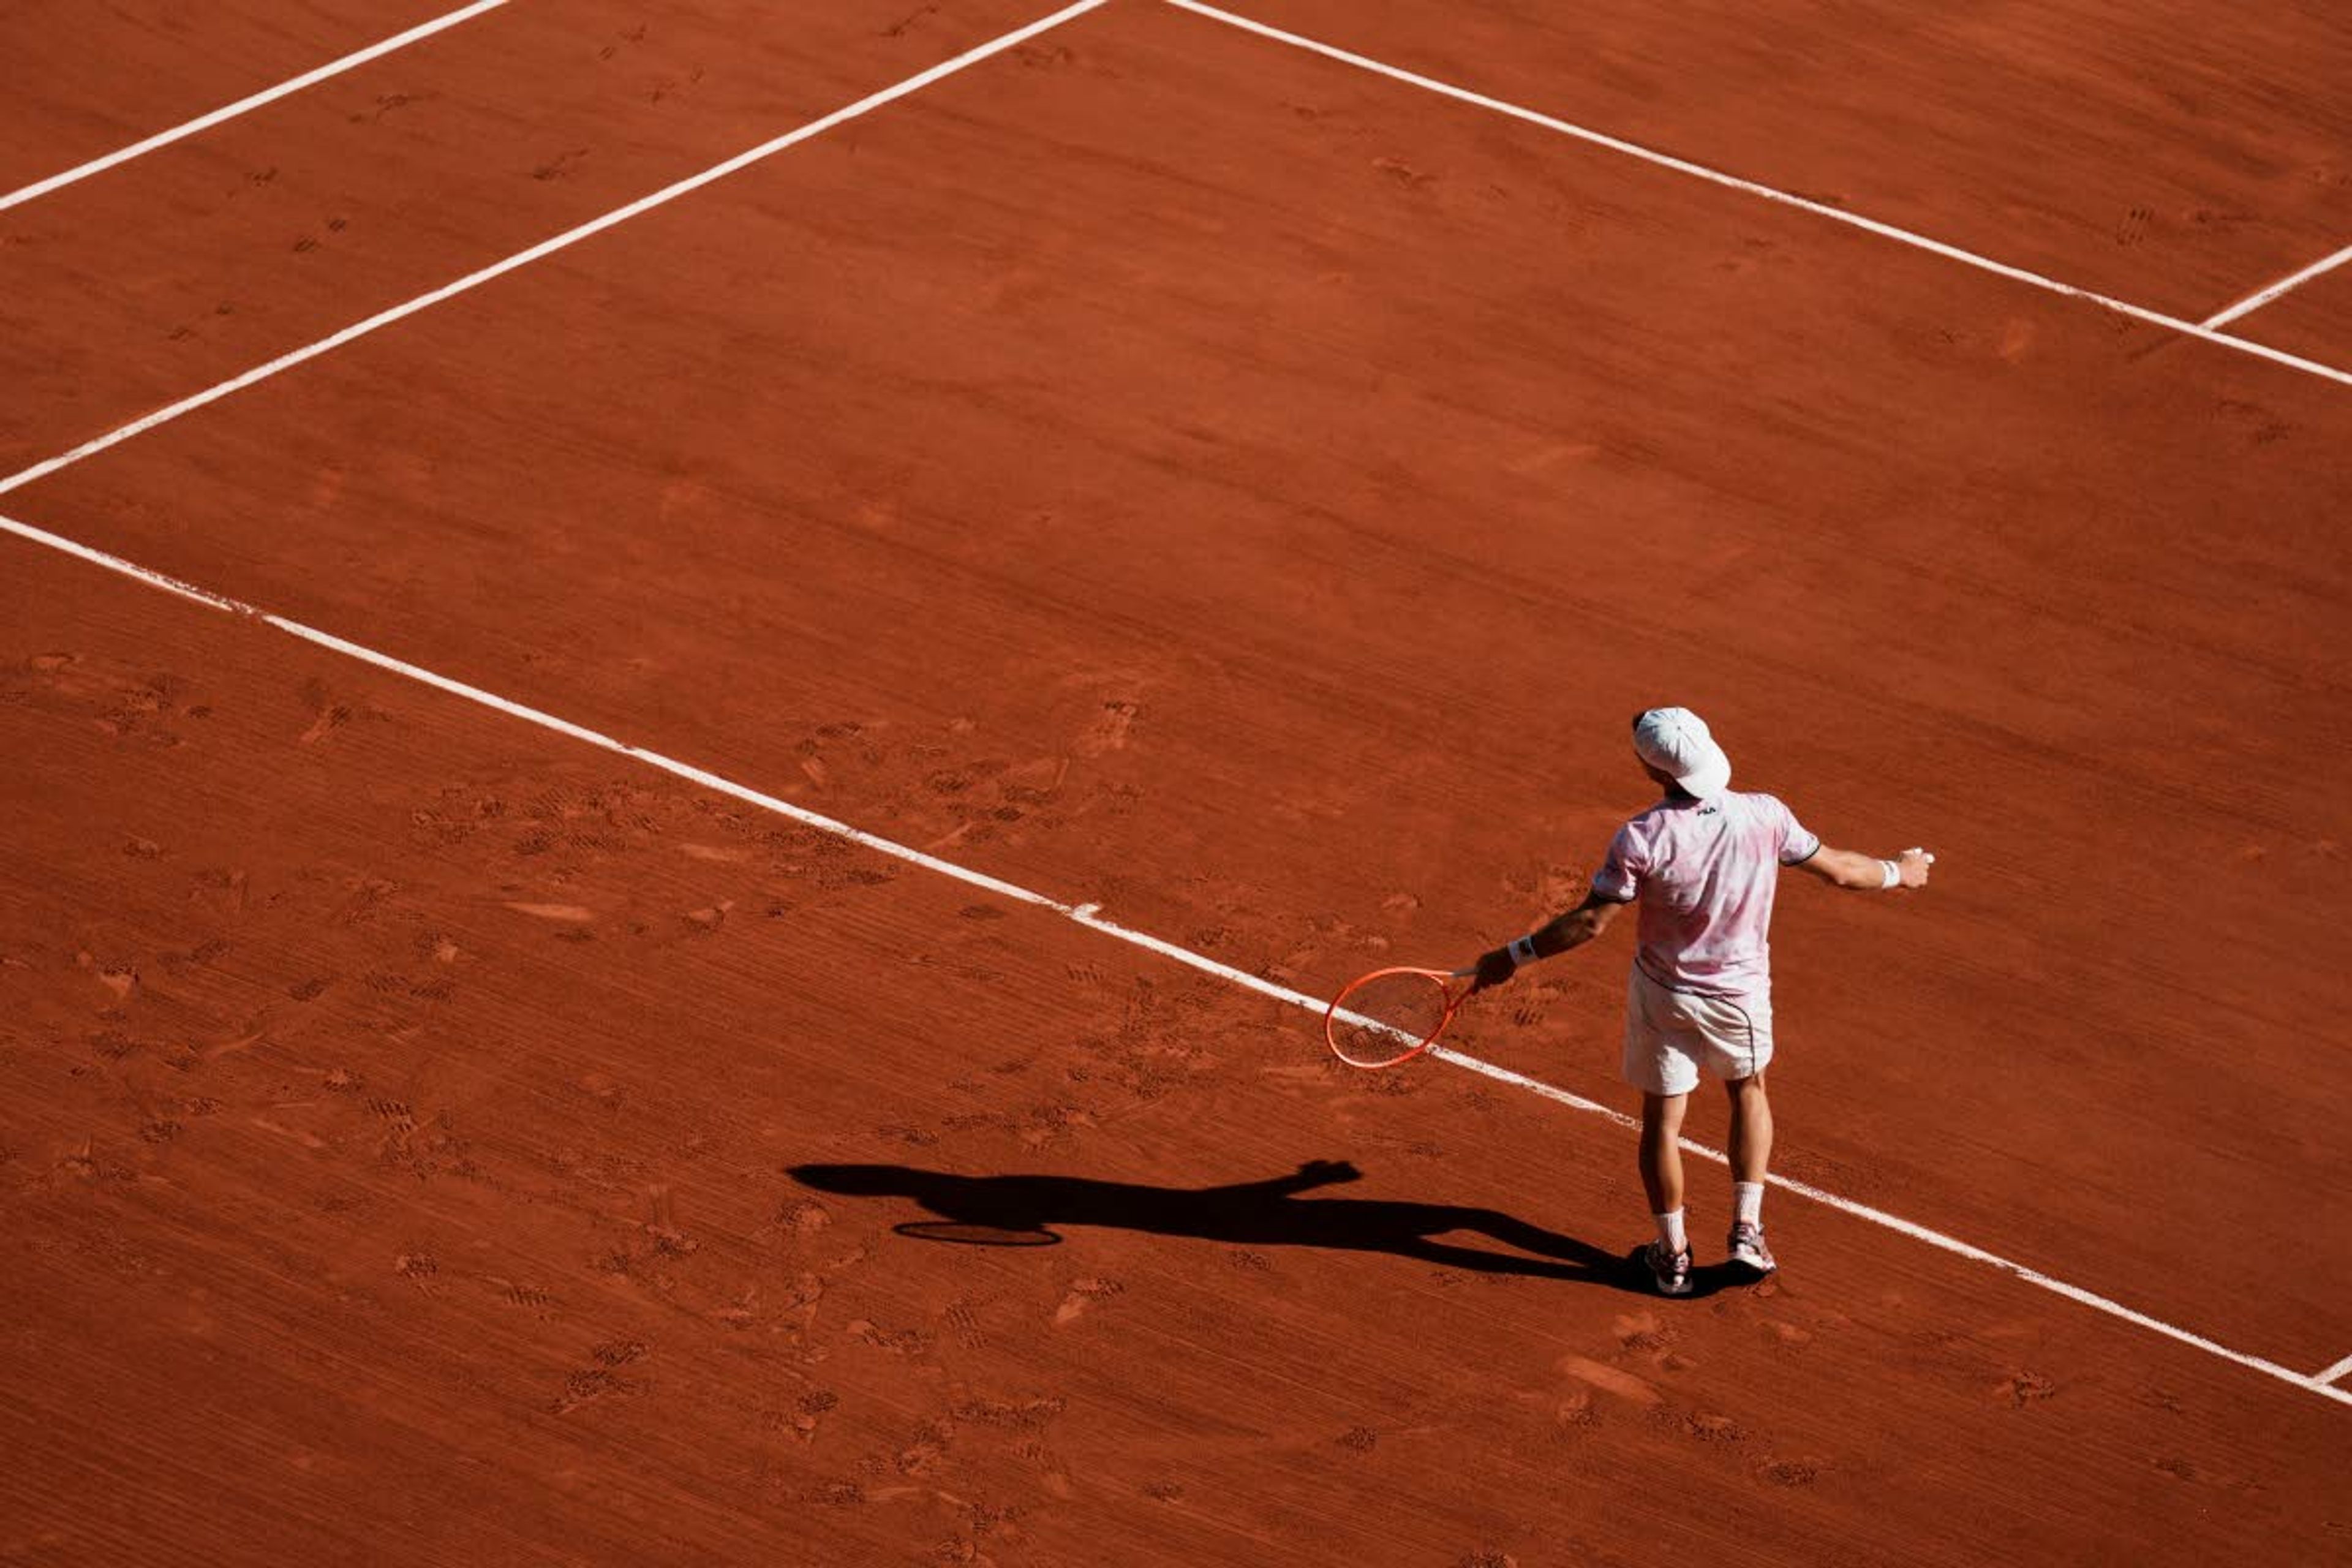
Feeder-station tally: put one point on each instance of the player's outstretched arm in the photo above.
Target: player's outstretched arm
(1574, 929)
(1866, 873)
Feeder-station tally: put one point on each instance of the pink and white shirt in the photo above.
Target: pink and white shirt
(1704, 872)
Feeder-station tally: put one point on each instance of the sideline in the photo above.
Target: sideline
(1819, 209)
(230, 112)
(1091, 916)
(2261, 296)
(546, 248)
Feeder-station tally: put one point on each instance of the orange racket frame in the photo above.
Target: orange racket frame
(1442, 979)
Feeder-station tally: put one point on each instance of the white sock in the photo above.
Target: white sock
(1747, 1203)
(1670, 1230)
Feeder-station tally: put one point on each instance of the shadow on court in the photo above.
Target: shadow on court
(1022, 1210)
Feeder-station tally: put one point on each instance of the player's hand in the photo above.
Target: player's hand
(1493, 968)
(1911, 867)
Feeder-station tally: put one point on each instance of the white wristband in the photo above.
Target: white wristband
(1889, 873)
(1523, 951)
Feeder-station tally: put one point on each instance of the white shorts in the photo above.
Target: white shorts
(1670, 1036)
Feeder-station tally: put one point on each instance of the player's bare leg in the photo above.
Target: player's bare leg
(1668, 1257)
(1751, 1128)
(1662, 1155)
(1752, 1153)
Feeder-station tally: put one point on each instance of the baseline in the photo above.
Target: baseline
(1749, 187)
(1089, 915)
(550, 246)
(229, 111)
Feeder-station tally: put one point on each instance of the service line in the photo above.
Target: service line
(2334, 1373)
(1091, 916)
(2261, 296)
(1749, 187)
(1085, 914)
(230, 112)
(549, 247)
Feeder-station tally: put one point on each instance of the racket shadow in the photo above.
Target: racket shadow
(1023, 1210)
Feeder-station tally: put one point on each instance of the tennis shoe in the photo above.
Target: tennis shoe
(1670, 1271)
(1748, 1250)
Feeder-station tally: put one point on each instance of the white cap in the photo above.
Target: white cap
(1674, 741)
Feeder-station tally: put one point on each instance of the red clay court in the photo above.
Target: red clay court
(699, 695)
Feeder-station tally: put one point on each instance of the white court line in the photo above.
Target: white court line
(1090, 917)
(2333, 1372)
(550, 246)
(230, 112)
(1087, 915)
(2263, 297)
(1749, 187)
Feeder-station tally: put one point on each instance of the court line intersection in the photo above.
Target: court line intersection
(2292, 280)
(1749, 187)
(1089, 915)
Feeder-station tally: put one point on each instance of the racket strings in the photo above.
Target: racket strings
(1386, 1015)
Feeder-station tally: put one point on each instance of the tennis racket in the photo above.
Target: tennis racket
(1392, 1015)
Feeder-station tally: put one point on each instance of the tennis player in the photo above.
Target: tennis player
(1704, 864)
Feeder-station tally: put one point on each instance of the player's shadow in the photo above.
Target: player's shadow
(1022, 1210)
